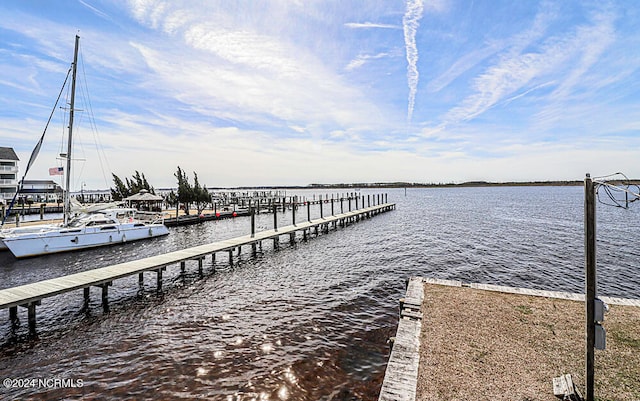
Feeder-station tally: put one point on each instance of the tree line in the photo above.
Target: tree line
(187, 194)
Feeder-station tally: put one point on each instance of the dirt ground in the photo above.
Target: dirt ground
(482, 345)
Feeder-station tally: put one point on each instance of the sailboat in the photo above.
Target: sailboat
(84, 230)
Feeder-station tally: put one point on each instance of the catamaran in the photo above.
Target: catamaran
(85, 229)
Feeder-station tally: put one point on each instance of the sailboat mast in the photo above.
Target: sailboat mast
(67, 197)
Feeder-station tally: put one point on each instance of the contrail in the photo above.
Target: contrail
(410, 23)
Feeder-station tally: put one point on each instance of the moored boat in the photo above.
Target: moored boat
(109, 227)
(88, 229)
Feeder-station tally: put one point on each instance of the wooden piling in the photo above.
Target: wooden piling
(159, 279)
(86, 297)
(13, 315)
(105, 295)
(275, 217)
(293, 210)
(31, 316)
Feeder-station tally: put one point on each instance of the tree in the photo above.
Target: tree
(201, 196)
(134, 185)
(185, 191)
(172, 198)
(120, 191)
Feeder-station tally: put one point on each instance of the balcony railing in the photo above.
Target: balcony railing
(10, 169)
(8, 182)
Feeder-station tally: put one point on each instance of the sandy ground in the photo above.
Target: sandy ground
(481, 345)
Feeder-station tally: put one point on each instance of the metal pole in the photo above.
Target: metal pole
(67, 198)
(590, 280)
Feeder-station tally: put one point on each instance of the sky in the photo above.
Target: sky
(294, 92)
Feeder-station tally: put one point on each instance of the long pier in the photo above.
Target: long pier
(30, 295)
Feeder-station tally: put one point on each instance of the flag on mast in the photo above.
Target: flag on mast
(56, 171)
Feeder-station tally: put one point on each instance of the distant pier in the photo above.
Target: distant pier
(29, 296)
(237, 204)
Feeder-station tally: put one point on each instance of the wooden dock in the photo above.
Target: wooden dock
(30, 295)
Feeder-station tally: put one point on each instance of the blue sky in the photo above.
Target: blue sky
(297, 92)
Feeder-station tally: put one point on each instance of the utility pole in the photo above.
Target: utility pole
(590, 280)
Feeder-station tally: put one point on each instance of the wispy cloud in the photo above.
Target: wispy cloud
(520, 66)
(410, 24)
(462, 65)
(369, 25)
(362, 59)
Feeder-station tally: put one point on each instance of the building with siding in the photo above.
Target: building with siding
(8, 173)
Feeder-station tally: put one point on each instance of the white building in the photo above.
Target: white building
(41, 191)
(8, 173)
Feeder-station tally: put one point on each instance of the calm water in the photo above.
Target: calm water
(309, 321)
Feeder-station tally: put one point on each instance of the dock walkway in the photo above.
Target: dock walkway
(30, 295)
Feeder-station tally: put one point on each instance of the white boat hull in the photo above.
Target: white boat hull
(23, 230)
(71, 239)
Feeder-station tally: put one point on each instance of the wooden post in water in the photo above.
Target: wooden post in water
(293, 209)
(13, 315)
(105, 295)
(17, 220)
(357, 202)
(253, 221)
(590, 280)
(159, 279)
(31, 316)
(42, 211)
(85, 304)
(321, 212)
(309, 211)
(275, 217)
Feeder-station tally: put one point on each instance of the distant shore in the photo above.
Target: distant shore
(413, 185)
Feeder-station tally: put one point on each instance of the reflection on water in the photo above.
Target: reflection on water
(311, 320)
